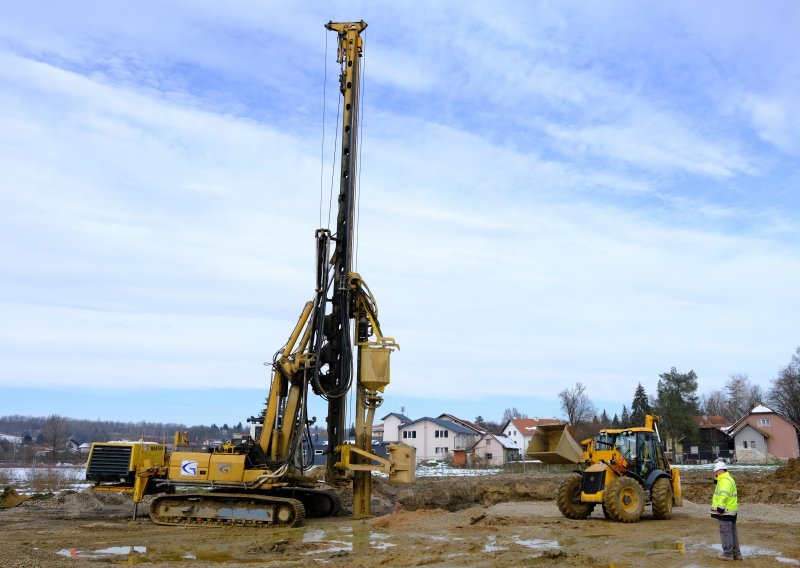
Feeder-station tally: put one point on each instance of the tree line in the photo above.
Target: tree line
(676, 402)
(54, 431)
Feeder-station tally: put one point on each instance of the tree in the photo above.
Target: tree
(677, 403)
(784, 396)
(615, 422)
(640, 407)
(512, 412)
(576, 405)
(715, 403)
(625, 418)
(605, 422)
(54, 432)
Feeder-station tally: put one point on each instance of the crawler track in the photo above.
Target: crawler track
(220, 509)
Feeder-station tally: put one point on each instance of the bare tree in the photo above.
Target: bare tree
(714, 403)
(741, 396)
(512, 412)
(54, 432)
(784, 396)
(576, 405)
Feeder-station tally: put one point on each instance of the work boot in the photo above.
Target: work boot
(737, 557)
(726, 557)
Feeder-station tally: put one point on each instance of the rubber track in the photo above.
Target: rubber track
(268, 500)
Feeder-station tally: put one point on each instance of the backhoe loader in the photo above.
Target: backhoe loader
(263, 481)
(621, 469)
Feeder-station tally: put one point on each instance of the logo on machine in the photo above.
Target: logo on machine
(188, 467)
(224, 467)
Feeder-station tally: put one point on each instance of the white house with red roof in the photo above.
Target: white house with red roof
(521, 430)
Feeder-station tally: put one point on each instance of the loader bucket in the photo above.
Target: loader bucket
(552, 443)
(10, 498)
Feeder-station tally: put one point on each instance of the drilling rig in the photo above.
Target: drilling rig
(336, 346)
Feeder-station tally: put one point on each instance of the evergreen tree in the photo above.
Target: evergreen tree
(640, 407)
(615, 422)
(677, 403)
(625, 419)
(604, 421)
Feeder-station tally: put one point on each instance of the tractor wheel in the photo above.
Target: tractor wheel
(624, 498)
(661, 498)
(569, 499)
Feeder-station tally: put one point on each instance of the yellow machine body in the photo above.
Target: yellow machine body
(622, 469)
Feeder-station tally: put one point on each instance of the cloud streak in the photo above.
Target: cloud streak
(535, 210)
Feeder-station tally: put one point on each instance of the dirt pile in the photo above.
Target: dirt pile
(788, 472)
(781, 486)
(73, 504)
(458, 493)
(10, 498)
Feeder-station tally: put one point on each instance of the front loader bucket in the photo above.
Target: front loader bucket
(552, 443)
(10, 498)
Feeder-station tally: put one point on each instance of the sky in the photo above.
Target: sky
(549, 193)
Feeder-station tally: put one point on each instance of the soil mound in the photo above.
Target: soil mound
(82, 503)
(788, 472)
(458, 493)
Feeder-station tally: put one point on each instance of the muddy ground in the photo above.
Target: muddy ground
(501, 520)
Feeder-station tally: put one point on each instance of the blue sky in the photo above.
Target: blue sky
(550, 193)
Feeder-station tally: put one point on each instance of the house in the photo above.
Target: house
(714, 441)
(85, 448)
(764, 436)
(521, 430)
(72, 446)
(495, 450)
(462, 422)
(437, 439)
(391, 426)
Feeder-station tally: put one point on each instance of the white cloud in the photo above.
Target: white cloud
(531, 216)
(776, 121)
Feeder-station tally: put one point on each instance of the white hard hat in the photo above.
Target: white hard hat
(720, 465)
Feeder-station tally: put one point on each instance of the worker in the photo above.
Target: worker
(724, 507)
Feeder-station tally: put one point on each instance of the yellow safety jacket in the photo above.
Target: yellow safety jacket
(725, 495)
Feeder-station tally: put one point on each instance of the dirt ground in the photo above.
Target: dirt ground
(501, 520)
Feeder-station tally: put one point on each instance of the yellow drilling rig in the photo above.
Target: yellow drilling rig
(262, 481)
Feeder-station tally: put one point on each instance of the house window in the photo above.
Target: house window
(488, 442)
(744, 444)
(441, 450)
(441, 434)
(752, 444)
(488, 456)
(763, 422)
(409, 434)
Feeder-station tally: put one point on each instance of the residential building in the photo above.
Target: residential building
(714, 442)
(495, 450)
(462, 422)
(391, 426)
(521, 430)
(764, 436)
(437, 439)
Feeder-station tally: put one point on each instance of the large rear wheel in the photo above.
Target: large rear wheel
(569, 499)
(661, 498)
(624, 499)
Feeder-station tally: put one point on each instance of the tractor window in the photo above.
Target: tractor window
(605, 441)
(626, 443)
(648, 454)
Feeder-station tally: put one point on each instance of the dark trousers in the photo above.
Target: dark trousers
(729, 538)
